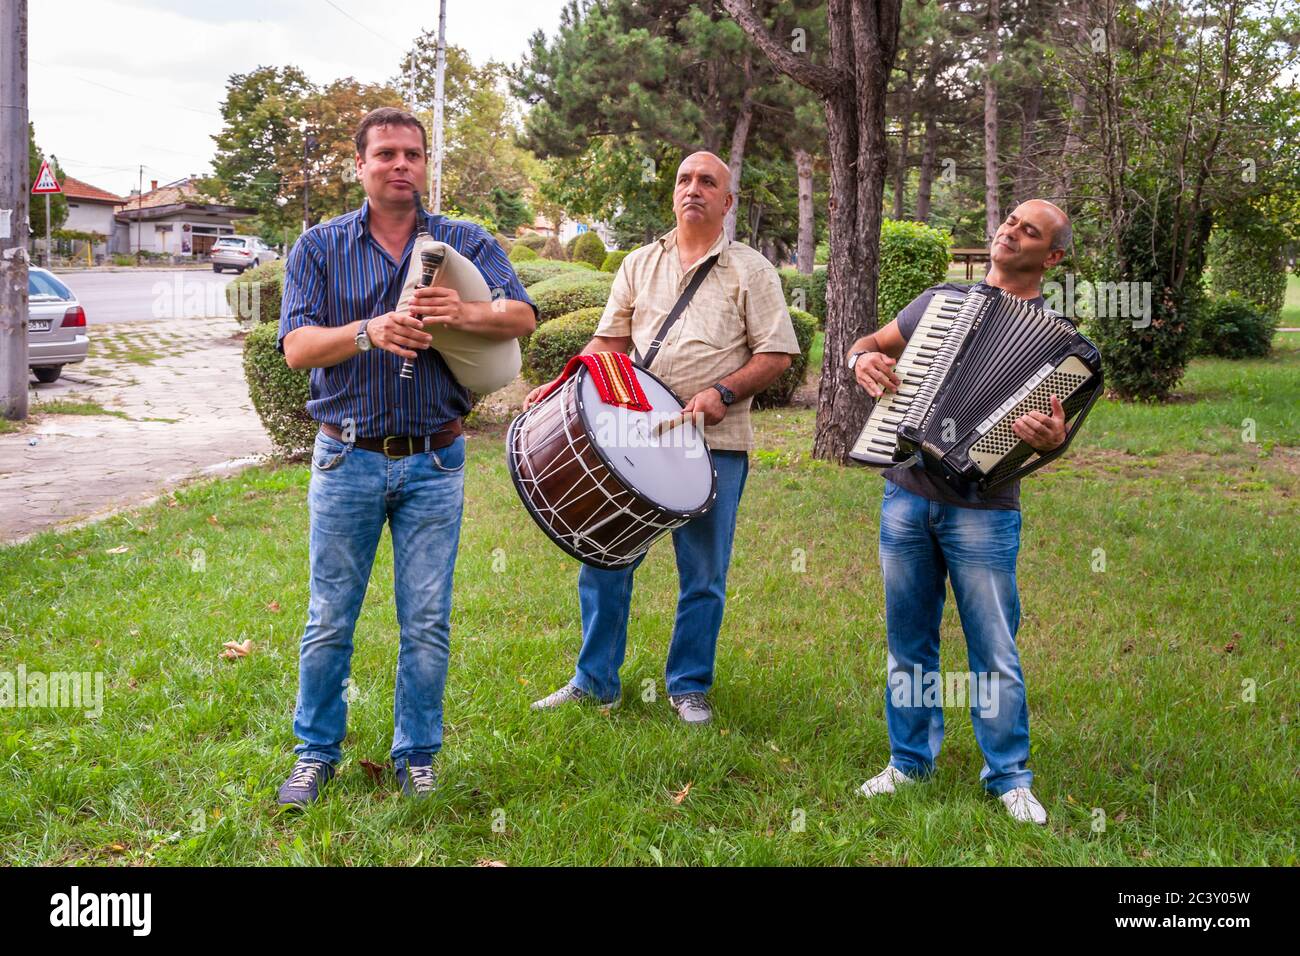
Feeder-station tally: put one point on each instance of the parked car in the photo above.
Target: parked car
(240, 253)
(56, 326)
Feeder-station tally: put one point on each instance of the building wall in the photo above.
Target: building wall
(169, 236)
(91, 217)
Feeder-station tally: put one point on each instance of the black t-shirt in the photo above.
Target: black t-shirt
(915, 478)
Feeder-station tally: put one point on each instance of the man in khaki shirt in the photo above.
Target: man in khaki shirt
(732, 341)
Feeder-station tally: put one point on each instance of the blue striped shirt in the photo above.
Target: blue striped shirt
(337, 273)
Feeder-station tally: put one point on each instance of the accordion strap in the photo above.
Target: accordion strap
(682, 302)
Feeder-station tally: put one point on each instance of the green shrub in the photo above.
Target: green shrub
(123, 260)
(535, 270)
(279, 393)
(589, 248)
(255, 295)
(913, 257)
(569, 292)
(533, 240)
(613, 260)
(779, 393)
(568, 246)
(553, 344)
(1251, 264)
(522, 253)
(1233, 327)
(805, 292)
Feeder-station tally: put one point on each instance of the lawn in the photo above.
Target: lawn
(1162, 689)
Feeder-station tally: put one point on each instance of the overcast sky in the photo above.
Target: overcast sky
(116, 83)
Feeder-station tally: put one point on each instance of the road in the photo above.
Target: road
(148, 295)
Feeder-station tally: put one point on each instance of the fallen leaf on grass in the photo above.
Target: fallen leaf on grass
(120, 549)
(680, 795)
(212, 520)
(375, 771)
(488, 863)
(116, 848)
(234, 650)
(274, 606)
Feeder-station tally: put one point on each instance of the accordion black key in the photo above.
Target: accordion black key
(968, 372)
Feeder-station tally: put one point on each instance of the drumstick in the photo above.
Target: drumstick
(668, 424)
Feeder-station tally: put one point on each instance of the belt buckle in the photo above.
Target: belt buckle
(388, 438)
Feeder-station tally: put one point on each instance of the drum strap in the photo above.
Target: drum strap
(689, 293)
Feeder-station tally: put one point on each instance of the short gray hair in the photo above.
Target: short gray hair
(1063, 237)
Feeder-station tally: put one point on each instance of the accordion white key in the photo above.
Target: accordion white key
(972, 367)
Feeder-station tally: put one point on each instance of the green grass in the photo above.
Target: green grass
(1291, 304)
(73, 406)
(1135, 674)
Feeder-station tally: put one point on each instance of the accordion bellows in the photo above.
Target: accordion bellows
(480, 364)
(972, 367)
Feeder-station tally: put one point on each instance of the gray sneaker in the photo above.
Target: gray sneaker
(692, 708)
(571, 693)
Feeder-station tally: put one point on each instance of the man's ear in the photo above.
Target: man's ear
(1053, 257)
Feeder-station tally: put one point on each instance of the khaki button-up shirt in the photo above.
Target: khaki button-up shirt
(738, 310)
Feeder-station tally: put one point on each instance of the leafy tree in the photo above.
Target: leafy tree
(36, 204)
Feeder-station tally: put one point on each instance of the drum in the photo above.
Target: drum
(604, 482)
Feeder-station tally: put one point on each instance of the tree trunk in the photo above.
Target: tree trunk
(1027, 161)
(803, 164)
(863, 41)
(904, 142)
(925, 180)
(992, 210)
(736, 158)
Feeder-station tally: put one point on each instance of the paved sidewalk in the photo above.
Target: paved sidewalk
(180, 385)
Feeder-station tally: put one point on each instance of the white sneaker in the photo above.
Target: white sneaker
(887, 781)
(1024, 806)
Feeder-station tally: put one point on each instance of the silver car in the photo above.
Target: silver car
(56, 326)
(240, 253)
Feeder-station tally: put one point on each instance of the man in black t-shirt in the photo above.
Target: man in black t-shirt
(929, 531)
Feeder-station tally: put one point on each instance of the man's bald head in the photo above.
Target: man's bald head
(702, 194)
(1063, 234)
(704, 159)
(1032, 239)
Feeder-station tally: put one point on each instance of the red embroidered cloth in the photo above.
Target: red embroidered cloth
(615, 376)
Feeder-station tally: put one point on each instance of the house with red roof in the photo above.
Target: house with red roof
(175, 219)
(91, 210)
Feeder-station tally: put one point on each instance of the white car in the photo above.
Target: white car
(240, 253)
(56, 326)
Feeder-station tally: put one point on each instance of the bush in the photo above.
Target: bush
(568, 246)
(805, 292)
(279, 393)
(554, 343)
(779, 393)
(255, 295)
(522, 253)
(913, 257)
(123, 260)
(535, 270)
(1250, 264)
(569, 292)
(553, 250)
(1233, 327)
(533, 240)
(613, 260)
(589, 248)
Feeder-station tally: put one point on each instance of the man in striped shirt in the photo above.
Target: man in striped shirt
(389, 449)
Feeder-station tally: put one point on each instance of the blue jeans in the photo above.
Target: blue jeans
(353, 492)
(921, 542)
(703, 548)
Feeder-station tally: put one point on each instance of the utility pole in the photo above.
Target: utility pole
(435, 172)
(14, 224)
(139, 213)
(308, 143)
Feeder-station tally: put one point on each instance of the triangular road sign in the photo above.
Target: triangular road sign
(45, 181)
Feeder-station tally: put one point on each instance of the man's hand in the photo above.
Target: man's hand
(439, 306)
(1043, 433)
(875, 374)
(398, 333)
(707, 405)
(536, 394)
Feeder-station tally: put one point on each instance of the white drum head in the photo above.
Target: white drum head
(672, 470)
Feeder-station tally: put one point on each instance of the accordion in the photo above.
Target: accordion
(972, 367)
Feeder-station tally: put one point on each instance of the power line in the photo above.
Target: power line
(362, 25)
(137, 96)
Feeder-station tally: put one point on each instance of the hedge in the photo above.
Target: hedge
(913, 257)
(779, 393)
(568, 246)
(535, 270)
(589, 248)
(533, 240)
(255, 295)
(1233, 327)
(279, 393)
(1252, 266)
(522, 253)
(613, 260)
(569, 292)
(553, 344)
(805, 292)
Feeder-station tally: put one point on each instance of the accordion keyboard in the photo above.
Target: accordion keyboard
(879, 439)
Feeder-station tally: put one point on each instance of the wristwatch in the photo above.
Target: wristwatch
(728, 396)
(853, 359)
(363, 337)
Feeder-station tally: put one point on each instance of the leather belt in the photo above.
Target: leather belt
(399, 446)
